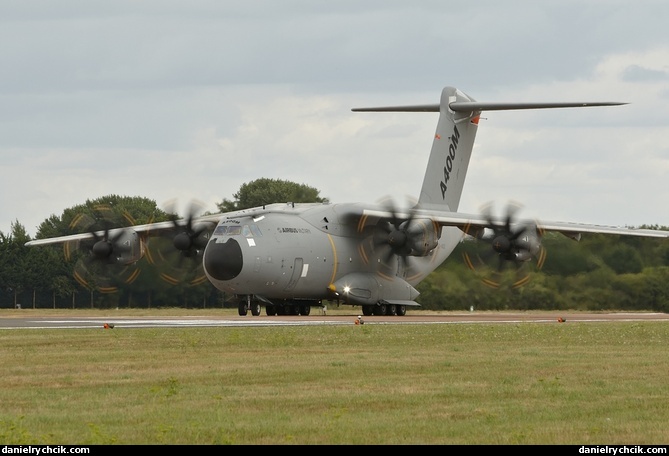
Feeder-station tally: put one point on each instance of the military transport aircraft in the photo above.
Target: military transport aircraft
(289, 257)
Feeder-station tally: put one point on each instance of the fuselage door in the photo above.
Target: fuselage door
(297, 273)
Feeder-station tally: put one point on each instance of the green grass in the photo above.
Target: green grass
(526, 383)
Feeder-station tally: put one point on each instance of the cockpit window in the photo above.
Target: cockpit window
(235, 230)
(255, 230)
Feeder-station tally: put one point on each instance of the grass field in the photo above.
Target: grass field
(520, 383)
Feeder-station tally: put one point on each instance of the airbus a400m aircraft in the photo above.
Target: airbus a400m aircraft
(289, 257)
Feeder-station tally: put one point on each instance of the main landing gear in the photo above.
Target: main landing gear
(289, 307)
(283, 308)
(385, 309)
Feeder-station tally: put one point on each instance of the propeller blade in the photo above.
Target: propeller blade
(178, 252)
(390, 241)
(512, 243)
(96, 261)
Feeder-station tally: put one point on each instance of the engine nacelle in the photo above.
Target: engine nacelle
(422, 236)
(119, 246)
(520, 248)
(191, 239)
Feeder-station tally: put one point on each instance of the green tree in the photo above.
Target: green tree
(108, 211)
(15, 263)
(565, 256)
(267, 191)
(623, 258)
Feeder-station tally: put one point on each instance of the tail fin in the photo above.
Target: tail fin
(454, 140)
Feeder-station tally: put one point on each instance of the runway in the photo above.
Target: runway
(18, 321)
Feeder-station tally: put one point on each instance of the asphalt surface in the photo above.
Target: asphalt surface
(16, 320)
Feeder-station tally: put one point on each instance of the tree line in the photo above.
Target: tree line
(600, 272)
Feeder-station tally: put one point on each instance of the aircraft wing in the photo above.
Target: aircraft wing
(471, 223)
(147, 229)
(467, 222)
(156, 228)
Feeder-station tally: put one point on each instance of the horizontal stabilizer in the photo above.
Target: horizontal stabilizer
(469, 106)
(414, 108)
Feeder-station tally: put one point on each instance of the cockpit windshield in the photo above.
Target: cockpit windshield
(236, 230)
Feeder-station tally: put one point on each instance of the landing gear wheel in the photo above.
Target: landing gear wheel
(391, 310)
(242, 309)
(270, 310)
(367, 310)
(401, 310)
(255, 309)
(380, 309)
(305, 309)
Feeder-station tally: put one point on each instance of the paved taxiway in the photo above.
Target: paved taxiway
(62, 322)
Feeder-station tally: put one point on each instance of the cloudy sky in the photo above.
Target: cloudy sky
(170, 99)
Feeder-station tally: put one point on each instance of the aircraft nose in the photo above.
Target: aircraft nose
(223, 260)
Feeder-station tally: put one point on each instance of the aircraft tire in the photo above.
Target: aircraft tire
(367, 310)
(380, 309)
(255, 309)
(270, 310)
(401, 310)
(242, 309)
(391, 309)
(305, 309)
(292, 310)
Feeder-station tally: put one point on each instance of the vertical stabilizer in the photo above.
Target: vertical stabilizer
(449, 157)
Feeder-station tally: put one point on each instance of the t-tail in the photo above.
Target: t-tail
(453, 141)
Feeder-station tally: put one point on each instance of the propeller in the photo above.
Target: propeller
(108, 259)
(392, 241)
(178, 252)
(508, 244)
